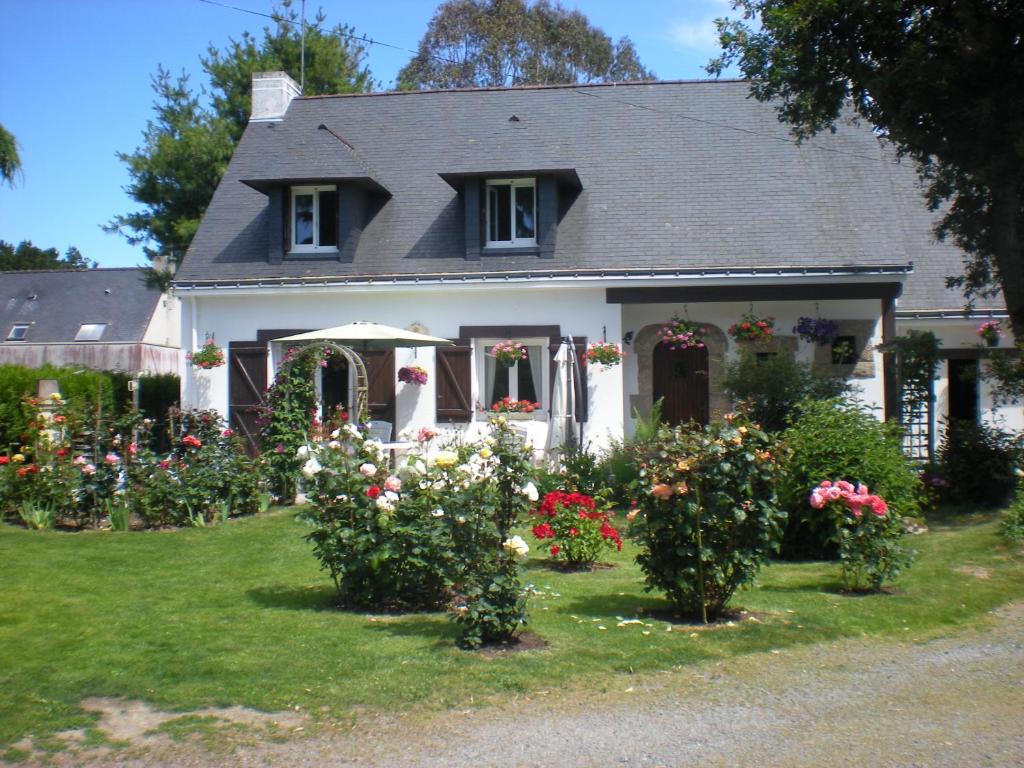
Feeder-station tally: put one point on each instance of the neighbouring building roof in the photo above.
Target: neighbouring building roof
(56, 303)
(675, 175)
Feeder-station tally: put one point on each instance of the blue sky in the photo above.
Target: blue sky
(76, 87)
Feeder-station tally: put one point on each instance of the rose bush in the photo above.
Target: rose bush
(706, 518)
(868, 534)
(577, 529)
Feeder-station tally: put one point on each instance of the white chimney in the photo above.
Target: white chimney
(272, 92)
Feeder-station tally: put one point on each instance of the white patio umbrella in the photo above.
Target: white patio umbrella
(369, 336)
(563, 427)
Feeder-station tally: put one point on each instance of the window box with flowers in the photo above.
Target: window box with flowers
(753, 328)
(682, 334)
(207, 356)
(517, 410)
(989, 332)
(604, 353)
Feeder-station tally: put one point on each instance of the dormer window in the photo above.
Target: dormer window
(314, 219)
(511, 213)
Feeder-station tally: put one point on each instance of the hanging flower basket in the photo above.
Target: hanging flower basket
(989, 332)
(604, 353)
(508, 353)
(208, 356)
(682, 334)
(817, 330)
(412, 374)
(753, 328)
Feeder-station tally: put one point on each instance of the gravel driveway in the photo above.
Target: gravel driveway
(955, 701)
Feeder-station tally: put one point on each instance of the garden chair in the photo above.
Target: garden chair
(380, 430)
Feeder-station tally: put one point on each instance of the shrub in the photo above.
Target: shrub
(384, 545)
(1012, 526)
(839, 439)
(206, 478)
(978, 463)
(578, 530)
(707, 513)
(868, 536)
(773, 386)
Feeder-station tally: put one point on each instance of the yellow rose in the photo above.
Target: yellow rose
(486, 453)
(446, 459)
(18, 458)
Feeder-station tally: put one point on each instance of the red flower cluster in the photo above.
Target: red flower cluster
(191, 441)
(561, 500)
(373, 491)
(28, 469)
(508, 405)
(583, 506)
(4, 460)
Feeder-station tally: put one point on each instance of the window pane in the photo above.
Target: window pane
(525, 227)
(90, 331)
(525, 379)
(500, 212)
(328, 218)
(304, 220)
(17, 333)
(497, 380)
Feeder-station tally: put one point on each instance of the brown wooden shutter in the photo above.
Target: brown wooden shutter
(247, 384)
(454, 380)
(580, 396)
(380, 374)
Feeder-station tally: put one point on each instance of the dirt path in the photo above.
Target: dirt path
(956, 701)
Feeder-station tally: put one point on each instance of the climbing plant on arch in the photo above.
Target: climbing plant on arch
(291, 405)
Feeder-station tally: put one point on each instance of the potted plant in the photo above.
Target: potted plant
(817, 330)
(604, 353)
(682, 334)
(990, 331)
(753, 328)
(508, 353)
(207, 356)
(412, 374)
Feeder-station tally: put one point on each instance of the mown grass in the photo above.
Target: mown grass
(240, 614)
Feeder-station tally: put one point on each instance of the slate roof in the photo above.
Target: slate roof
(57, 302)
(674, 175)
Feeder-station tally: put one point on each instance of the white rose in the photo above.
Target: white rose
(374, 448)
(310, 468)
(437, 513)
(516, 546)
(384, 503)
(367, 470)
(303, 451)
(353, 431)
(530, 491)
(336, 433)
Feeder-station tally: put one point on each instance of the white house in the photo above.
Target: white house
(537, 213)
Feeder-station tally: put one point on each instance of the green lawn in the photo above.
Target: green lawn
(240, 614)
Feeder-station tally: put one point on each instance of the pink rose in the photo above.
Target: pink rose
(393, 484)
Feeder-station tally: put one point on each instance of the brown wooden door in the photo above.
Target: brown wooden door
(247, 385)
(681, 379)
(380, 373)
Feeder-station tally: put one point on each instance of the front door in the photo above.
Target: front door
(681, 381)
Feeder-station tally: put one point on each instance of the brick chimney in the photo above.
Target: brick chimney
(272, 92)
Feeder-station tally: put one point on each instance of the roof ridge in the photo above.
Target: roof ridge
(532, 87)
(69, 271)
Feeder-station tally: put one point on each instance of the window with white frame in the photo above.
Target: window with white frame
(511, 213)
(314, 219)
(526, 380)
(17, 332)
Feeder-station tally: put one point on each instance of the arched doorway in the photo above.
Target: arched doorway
(680, 379)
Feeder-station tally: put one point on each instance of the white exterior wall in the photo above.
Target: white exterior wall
(870, 391)
(164, 327)
(439, 309)
(960, 333)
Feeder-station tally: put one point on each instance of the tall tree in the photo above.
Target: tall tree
(27, 256)
(512, 42)
(187, 145)
(941, 80)
(10, 162)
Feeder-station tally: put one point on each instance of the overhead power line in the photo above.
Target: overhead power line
(358, 38)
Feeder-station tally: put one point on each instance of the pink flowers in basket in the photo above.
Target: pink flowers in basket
(412, 374)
